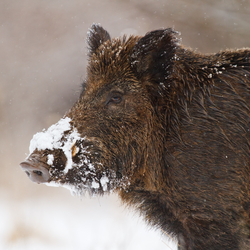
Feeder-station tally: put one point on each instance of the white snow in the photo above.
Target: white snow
(104, 180)
(63, 222)
(52, 139)
(73, 190)
(95, 184)
(50, 159)
(71, 139)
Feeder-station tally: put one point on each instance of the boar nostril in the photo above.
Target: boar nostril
(37, 172)
(27, 173)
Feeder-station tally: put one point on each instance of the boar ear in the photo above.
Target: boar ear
(96, 36)
(153, 54)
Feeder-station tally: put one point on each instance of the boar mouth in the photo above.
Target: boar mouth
(37, 171)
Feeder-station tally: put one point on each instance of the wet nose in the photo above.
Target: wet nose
(36, 172)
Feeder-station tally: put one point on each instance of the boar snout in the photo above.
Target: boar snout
(35, 171)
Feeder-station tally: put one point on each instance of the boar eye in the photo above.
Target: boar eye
(114, 98)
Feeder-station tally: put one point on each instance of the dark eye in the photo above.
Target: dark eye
(114, 98)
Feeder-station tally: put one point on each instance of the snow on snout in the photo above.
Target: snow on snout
(50, 159)
(54, 138)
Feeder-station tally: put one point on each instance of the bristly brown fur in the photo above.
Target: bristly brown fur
(194, 181)
(169, 130)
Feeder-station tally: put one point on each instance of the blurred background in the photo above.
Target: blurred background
(42, 64)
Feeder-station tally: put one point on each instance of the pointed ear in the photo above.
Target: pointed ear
(96, 36)
(153, 54)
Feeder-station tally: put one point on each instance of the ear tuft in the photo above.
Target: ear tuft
(96, 36)
(153, 54)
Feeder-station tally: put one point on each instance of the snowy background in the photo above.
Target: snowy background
(42, 64)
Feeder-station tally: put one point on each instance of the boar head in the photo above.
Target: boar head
(112, 138)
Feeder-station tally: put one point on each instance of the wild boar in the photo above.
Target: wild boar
(167, 129)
